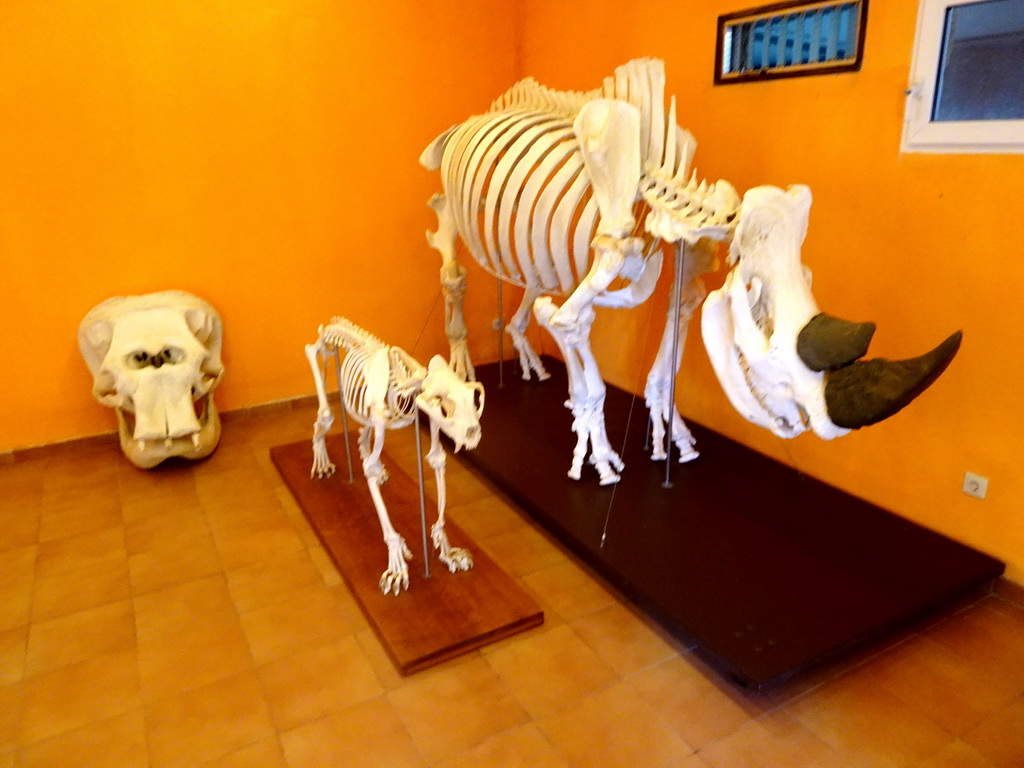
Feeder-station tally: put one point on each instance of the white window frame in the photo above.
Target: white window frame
(920, 133)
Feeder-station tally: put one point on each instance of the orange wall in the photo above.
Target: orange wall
(259, 153)
(921, 244)
(262, 154)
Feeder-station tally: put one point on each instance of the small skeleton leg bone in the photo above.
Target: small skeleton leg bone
(322, 464)
(456, 558)
(529, 360)
(453, 285)
(396, 576)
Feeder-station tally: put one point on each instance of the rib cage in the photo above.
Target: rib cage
(360, 347)
(521, 196)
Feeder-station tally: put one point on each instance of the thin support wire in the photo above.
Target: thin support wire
(344, 413)
(680, 250)
(423, 502)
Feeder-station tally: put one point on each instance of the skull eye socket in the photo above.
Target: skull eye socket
(447, 407)
(138, 359)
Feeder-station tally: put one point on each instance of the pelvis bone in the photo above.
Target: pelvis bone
(783, 364)
(156, 360)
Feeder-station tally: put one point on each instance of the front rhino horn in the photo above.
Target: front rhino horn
(828, 342)
(868, 391)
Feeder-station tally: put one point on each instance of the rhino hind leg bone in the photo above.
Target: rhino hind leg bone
(529, 361)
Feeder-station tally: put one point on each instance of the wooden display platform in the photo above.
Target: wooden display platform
(767, 571)
(438, 618)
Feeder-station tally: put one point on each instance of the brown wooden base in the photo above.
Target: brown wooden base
(438, 618)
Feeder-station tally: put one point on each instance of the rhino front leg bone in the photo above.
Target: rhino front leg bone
(529, 360)
(663, 373)
(453, 287)
(456, 558)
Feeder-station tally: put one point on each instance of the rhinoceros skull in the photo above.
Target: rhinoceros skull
(783, 364)
(453, 404)
(156, 360)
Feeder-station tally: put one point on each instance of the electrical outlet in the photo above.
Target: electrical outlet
(975, 485)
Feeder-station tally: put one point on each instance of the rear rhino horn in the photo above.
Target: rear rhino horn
(828, 342)
(867, 391)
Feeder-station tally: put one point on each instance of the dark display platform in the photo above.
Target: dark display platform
(767, 571)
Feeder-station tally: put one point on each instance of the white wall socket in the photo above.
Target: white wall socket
(975, 485)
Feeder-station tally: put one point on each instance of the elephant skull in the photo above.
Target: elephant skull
(156, 359)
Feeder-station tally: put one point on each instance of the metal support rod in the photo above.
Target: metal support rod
(344, 414)
(498, 323)
(680, 248)
(423, 502)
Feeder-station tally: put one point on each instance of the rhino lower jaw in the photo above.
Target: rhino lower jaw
(868, 391)
(147, 453)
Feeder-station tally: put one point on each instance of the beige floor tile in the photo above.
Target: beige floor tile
(954, 691)
(265, 753)
(12, 654)
(188, 605)
(310, 617)
(569, 590)
(548, 671)
(98, 549)
(17, 564)
(254, 543)
(624, 642)
(521, 747)
(318, 681)
(614, 728)
(700, 707)
(119, 742)
(957, 754)
(171, 529)
(173, 563)
(19, 519)
(56, 596)
(203, 653)
(454, 707)
(486, 517)
(139, 489)
(1000, 736)
(207, 723)
(78, 514)
(522, 552)
(78, 694)
(863, 721)
(177, 498)
(272, 579)
(773, 741)
(368, 735)
(12, 699)
(991, 634)
(382, 666)
(15, 605)
(80, 636)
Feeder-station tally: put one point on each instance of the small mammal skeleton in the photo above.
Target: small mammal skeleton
(381, 387)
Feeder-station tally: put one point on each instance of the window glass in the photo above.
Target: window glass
(981, 66)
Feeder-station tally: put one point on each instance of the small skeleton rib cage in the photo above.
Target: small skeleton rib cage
(155, 359)
(381, 387)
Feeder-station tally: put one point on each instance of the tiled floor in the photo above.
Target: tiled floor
(188, 617)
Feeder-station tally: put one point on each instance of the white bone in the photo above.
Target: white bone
(153, 357)
(381, 387)
(553, 212)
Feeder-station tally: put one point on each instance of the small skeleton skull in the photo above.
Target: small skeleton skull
(455, 404)
(156, 360)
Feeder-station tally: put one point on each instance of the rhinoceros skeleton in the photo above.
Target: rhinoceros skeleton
(381, 387)
(573, 194)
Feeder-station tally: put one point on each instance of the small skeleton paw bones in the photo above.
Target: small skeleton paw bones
(456, 558)
(396, 577)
